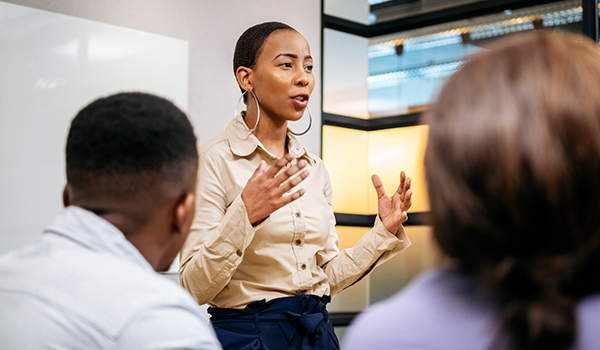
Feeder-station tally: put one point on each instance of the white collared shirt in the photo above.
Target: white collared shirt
(84, 286)
(228, 263)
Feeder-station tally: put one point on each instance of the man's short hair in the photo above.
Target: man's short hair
(126, 143)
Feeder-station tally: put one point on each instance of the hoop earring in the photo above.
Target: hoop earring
(309, 123)
(257, 115)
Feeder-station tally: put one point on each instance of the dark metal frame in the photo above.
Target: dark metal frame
(358, 220)
(590, 29)
(371, 124)
(590, 18)
(427, 19)
(342, 319)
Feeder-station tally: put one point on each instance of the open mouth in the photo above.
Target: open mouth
(300, 98)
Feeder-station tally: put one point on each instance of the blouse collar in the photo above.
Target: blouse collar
(243, 143)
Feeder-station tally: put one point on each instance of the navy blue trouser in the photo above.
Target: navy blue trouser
(300, 323)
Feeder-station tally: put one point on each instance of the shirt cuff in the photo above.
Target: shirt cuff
(392, 241)
(261, 224)
(237, 231)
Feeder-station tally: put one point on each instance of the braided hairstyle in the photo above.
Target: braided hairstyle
(250, 43)
(513, 171)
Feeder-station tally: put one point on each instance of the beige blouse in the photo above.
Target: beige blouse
(228, 263)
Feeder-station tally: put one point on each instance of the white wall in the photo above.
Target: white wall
(353, 10)
(211, 28)
(344, 93)
(51, 65)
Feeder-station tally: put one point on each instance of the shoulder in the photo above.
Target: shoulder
(132, 295)
(439, 309)
(136, 289)
(316, 165)
(319, 177)
(168, 316)
(97, 294)
(129, 291)
(590, 304)
(314, 161)
(128, 288)
(215, 146)
(588, 322)
(422, 295)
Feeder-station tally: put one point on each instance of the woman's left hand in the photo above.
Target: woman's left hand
(392, 210)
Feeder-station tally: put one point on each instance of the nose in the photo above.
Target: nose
(302, 78)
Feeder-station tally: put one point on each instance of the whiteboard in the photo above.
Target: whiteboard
(51, 65)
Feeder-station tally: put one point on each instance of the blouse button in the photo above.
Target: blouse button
(303, 266)
(298, 214)
(298, 242)
(239, 252)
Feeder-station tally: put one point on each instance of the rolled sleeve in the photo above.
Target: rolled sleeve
(219, 236)
(373, 249)
(346, 267)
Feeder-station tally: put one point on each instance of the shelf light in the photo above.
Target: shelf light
(522, 21)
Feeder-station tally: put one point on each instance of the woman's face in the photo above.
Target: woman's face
(282, 77)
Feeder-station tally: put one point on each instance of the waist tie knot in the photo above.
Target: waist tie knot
(302, 319)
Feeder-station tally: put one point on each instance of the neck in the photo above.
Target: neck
(271, 132)
(152, 252)
(149, 237)
(273, 137)
(138, 223)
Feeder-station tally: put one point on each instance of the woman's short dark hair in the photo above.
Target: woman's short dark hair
(513, 172)
(250, 43)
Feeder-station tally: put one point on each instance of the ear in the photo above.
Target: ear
(184, 214)
(244, 77)
(65, 196)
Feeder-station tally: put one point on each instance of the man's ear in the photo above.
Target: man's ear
(184, 214)
(244, 77)
(65, 196)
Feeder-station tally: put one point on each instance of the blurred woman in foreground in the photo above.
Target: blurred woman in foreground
(513, 171)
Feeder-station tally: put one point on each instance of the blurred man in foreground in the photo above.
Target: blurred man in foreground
(90, 281)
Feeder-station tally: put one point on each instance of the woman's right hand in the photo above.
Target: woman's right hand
(269, 189)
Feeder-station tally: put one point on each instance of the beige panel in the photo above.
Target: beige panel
(352, 299)
(394, 150)
(387, 279)
(356, 297)
(352, 156)
(349, 235)
(345, 154)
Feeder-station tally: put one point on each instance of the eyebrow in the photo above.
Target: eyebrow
(291, 55)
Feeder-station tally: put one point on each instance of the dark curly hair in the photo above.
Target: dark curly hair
(126, 143)
(250, 43)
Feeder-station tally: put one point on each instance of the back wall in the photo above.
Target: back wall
(211, 28)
